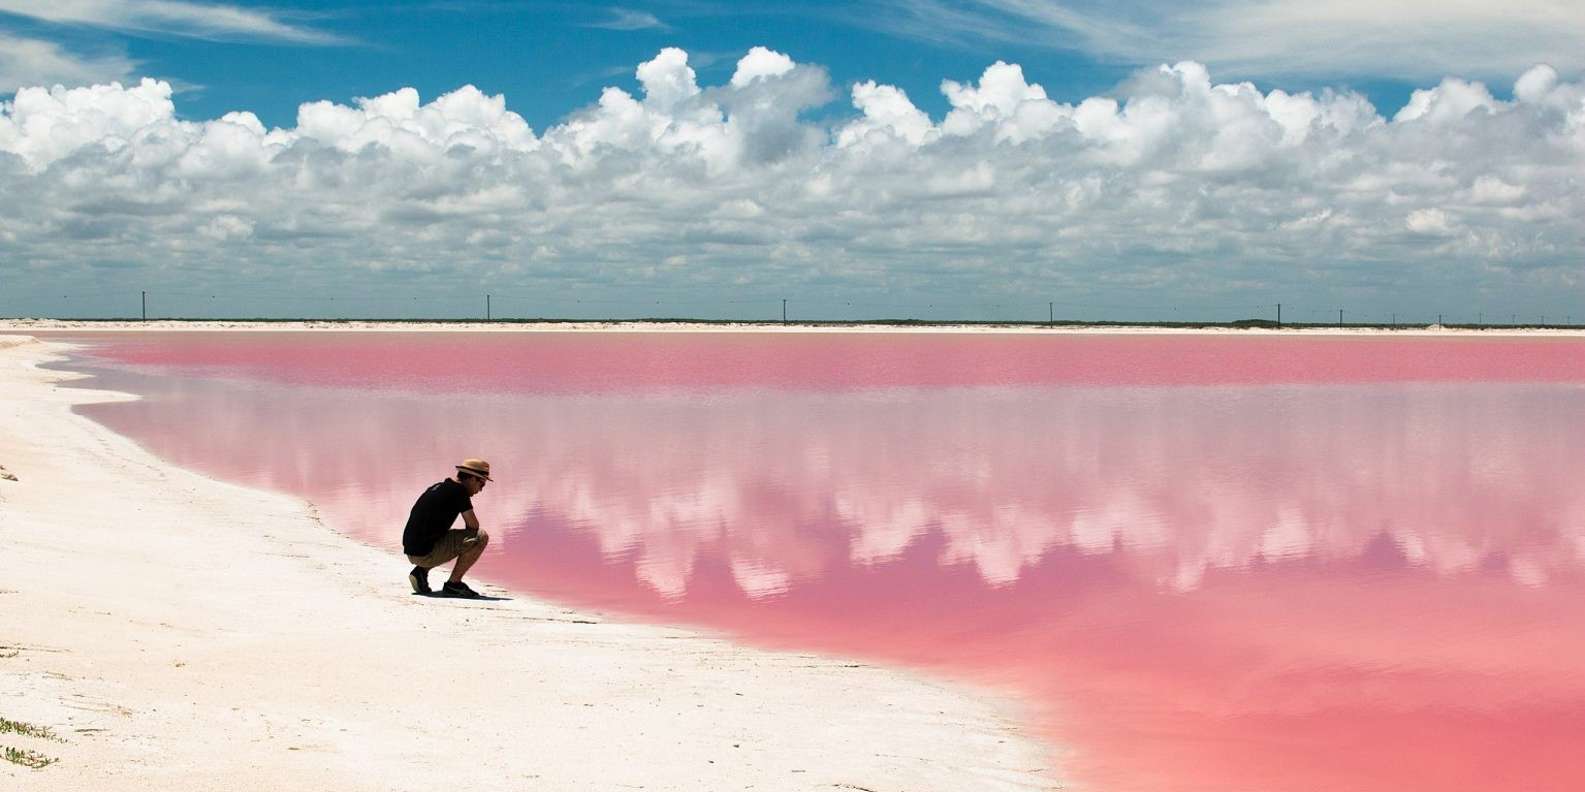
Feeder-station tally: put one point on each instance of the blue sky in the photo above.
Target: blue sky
(903, 157)
(551, 58)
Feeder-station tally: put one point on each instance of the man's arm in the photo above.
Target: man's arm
(469, 521)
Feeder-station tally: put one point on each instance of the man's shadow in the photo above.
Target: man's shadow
(480, 598)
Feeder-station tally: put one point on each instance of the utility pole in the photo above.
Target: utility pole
(1051, 313)
(1279, 314)
(486, 307)
(1340, 317)
(1395, 320)
(784, 310)
(1438, 320)
(145, 306)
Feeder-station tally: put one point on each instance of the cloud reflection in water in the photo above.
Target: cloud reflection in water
(1213, 587)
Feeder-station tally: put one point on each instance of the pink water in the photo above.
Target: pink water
(1263, 564)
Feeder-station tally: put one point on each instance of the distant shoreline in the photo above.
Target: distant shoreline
(1248, 327)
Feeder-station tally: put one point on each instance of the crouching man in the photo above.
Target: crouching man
(429, 540)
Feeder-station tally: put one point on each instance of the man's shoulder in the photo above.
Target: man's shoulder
(439, 488)
(452, 491)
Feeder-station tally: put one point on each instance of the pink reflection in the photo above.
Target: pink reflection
(1297, 587)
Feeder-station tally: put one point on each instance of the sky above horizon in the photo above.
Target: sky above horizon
(988, 159)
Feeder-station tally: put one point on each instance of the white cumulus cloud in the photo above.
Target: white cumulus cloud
(1174, 182)
(886, 111)
(759, 63)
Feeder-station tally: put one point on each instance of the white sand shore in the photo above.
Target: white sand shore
(181, 633)
(76, 325)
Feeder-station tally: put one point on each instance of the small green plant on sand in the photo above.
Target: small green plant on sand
(30, 759)
(8, 726)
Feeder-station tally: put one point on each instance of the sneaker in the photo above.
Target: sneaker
(419, 580)
(457, 588)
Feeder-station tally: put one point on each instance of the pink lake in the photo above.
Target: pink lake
(1262, 564)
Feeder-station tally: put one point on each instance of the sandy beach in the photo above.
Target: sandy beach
(160, 629)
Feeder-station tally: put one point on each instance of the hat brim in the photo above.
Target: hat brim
(477, 472)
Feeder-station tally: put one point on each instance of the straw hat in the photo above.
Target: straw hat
(477, 467)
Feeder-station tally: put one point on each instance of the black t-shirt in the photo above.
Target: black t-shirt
(433, 515)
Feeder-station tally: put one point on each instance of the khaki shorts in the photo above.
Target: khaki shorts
(456, 542)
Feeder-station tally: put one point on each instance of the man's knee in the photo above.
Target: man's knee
(479, 543)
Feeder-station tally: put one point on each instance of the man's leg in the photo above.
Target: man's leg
(470, 555)
(449, 546)
(419, 577)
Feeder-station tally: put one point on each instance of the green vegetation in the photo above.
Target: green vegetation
(29, 759)
(23, 757)
(8, 726)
